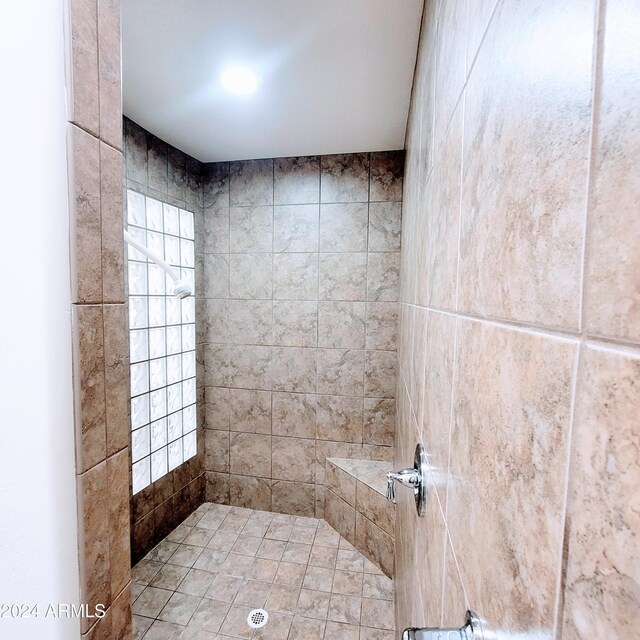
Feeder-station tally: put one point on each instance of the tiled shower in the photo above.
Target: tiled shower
(296, 303)
(486, 276)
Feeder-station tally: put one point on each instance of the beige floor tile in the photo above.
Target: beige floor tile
(290, 574)
(313, 604)
(180, 608)
(341, 631)
(253, 594)
(196, 582)
(150, 602)
(224, 588)
(348, 583)
(283, 598)
(345, 608)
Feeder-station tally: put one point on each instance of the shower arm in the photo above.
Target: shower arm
(182, 288)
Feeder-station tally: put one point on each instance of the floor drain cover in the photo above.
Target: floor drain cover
(257, 618)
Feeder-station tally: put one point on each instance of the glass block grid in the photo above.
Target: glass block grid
(162, 338)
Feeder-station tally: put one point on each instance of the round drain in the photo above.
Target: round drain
(257, 618)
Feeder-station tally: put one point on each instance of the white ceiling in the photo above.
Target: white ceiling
(335, 74)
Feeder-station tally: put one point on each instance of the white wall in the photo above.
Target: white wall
(38, 533)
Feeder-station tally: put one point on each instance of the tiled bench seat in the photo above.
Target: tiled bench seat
(356, 507)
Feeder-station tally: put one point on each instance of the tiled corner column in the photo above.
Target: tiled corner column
(519, 340)
(100, 349)
(301, 261)
(156, 169)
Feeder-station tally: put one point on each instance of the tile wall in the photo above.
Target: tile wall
(161, 171)
(299, 321)
(519, 319)
(98, 312)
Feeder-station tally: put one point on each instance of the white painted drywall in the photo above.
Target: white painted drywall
(38, 527)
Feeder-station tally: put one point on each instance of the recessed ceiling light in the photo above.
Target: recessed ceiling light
(240, 80)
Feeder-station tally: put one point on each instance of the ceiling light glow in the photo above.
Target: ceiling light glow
(240, 80)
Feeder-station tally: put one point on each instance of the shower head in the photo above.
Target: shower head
(182, 289)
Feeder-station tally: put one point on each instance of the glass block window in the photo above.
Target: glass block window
(162, 338)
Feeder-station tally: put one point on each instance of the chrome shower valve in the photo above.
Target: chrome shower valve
(415, 477)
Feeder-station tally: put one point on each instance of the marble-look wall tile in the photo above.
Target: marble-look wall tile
(539, 158)
(387, 169)
(339, 418)
(293, 459)
(613, 284)
(341, 372)
(294, 414)
(341, 325)
(296, 180)
(295, 323)
(281, 322)
(376, 544)
(602, 592)
(511, 445)
(341, 516)
(344, 178)
(217, 365)
(343, 276)
(343, 227)
(295, 228)
(250, 493)
(157, 164)
(294, 369)
(116, 378)
(252, 322)
(295, 498)
(217, 487)
(216, 270)
(109, 63)
(177, 173)
(119, 521)
(250, 276)
(250, 411)
(135, 150)
(382, 325)
(111, 209)
(250, 454)
(385, 223)
(216, 445)
(93, 507)
(383, 277)
(86, 228)
(380, 374)
(218, 408)
(450, 53)
(250, 366)
(89, 385)
(295, 276)
(216, 181)
(251, 229)
(213, 317)
(215, 232)
(251, 182)
(529, 234)
(441, 231)
(83, 90)
(379, 421)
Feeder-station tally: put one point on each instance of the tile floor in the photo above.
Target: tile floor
(204, 578)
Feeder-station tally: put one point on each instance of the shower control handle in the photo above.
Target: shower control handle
(415, 477)
(471, 630)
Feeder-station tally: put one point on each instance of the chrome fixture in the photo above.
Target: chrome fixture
(471, 630)
(416, 478)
